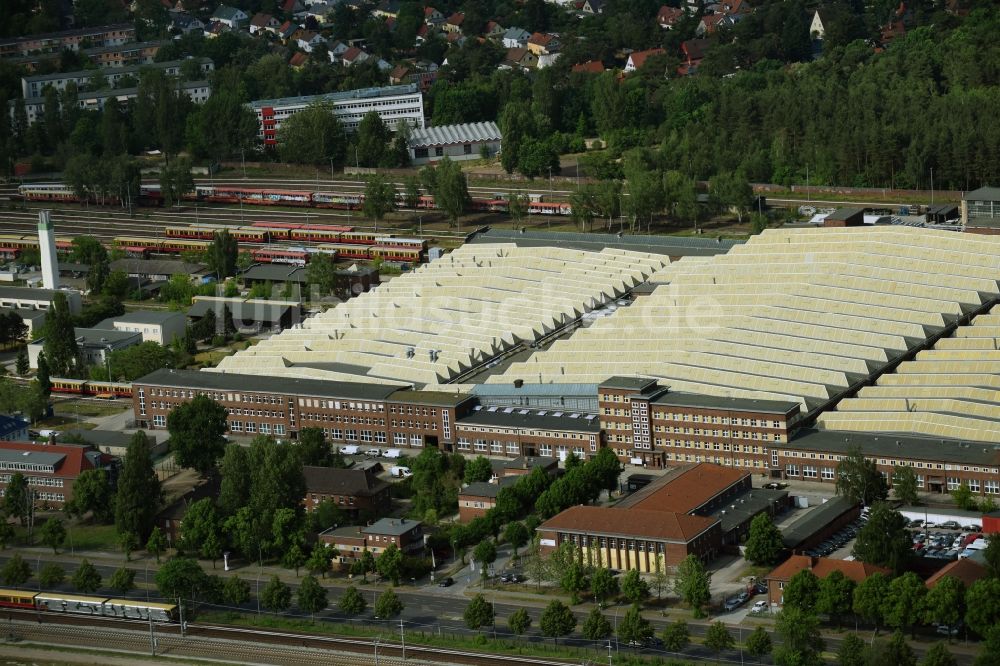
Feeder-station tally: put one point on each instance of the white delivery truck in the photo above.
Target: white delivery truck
(349, 450)
(400, 472)
(393, 453)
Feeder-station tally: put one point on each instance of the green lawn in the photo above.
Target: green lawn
(92, 537)
(91, 408)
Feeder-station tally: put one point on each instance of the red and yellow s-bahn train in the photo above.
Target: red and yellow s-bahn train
(12, 245)
(92, 387)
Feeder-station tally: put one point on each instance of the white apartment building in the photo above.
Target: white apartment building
(392, 103)
(34, 86)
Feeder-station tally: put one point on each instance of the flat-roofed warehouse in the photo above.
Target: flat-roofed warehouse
(799, 315)
(448, 317)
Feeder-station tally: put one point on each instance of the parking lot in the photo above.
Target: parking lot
(947, 541)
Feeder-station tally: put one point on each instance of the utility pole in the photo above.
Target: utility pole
(402, 638)
(180, 606)
(376, 651)
(609, 652)
(152, 637)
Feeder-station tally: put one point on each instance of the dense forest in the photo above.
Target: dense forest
(768, 101)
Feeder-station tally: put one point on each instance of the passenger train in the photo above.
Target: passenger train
(150, 195)
(58, 602)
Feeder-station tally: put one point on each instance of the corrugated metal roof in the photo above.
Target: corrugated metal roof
(452, 134)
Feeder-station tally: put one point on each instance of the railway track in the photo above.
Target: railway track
(106, 224)
(227, 643)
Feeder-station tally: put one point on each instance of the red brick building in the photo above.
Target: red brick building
(650, 425)
(528, 432)
(476, 499)
(347, 412)
(356, 491)
(350, 542)
(821, 567)
(50, 470)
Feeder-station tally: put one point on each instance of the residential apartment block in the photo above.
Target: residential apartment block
(74, 40)
(392, 103)
(352, 541)
(50, 470)
(34, 86)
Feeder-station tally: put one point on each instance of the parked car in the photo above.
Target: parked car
(759, 607)
(950, 525)
(350, 450)
(946, 630)
(974, 528)
(374, 453)
(732, 603)
(760, 588)
(917, 522)
(447, 582)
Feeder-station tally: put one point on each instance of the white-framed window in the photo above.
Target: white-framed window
(512, 448)
(974, 485)
(380, 437)
(160, 420)
(792, 470)
(366, 435)
(545, 450)
(265, 428)
(808, 472)
(399, 438)
(351, 435)
(954, 482)
(279, 429)
(480, 445)
(828, 473)
(251, 426)
(416, 441)
(496, 447)
(991, 487)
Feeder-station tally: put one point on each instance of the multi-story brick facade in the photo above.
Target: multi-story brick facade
(350, 542)
(529, 433)
(50, 470)
(355, 491)
(651, 425)
(347, 412)
(940, 465)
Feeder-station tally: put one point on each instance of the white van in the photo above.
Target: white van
(349, 450)
(400, 472)
(393, 453)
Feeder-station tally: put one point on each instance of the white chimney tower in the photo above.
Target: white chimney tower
(47, 245)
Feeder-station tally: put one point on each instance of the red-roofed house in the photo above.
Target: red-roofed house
(638, 59)
(822, 567)
(494, 30)
(668, 17)
(694, 53)
(711, 23)
(454, 22)
(589, 67)
(261, 22)
(398, 74)
(433, 16)
(966, 570)
(735, 8)
(298, 60)
(543, 43)
(50, 470)
(353, 56)
(291, 6)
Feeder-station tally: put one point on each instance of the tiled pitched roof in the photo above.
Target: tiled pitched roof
(631, 523)
(685, 489)
(966, 570)
(589, 67)
(335, 481)
(639, 57)
(822, 567)
(69, 460)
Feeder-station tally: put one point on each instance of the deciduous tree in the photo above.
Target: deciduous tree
(519, 621)
(945, 602)
(676, 636)
(596, 627)
(156, 544)
(51, 575)
(390, 563)
(603, 585)
(557, 620)
(718, 638)
(197, 434)
(904, 607)
(16, 571)
(884, 540)
(982, 601)
(479, 613)
(380, 198)
(859, 480)
(634, 628)
(313, 136)
(236, 591)
(938, 655)
(801, 643)
(634, 588)
(802, 591)
(693, 584)
(138, 498)
(53, 534)
(59, 345)
(836, 596)
(759, 644)
(311, 596)
(764, 541)
(86, 578)
(122, 581)
(352, 602)
(904, 484)
(869, 597)
(478, 469)
(181, 577)
(276, 595)
(388, 605)
(92, 493)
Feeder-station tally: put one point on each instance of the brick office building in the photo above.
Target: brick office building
(682, 513)
(50, 470)
(650, 425)
(351, 541)
(475, 499)
(354, 491)
(822, 567)
(350, 412)
(529, 433)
